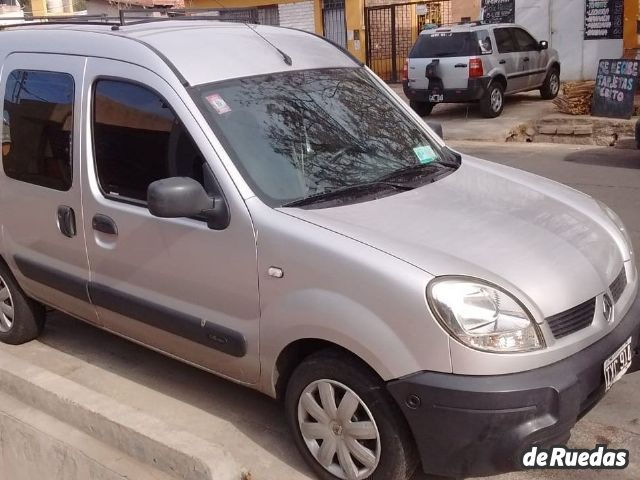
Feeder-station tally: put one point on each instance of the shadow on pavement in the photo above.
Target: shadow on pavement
(601, 156)
(257, 417)
(472, 110)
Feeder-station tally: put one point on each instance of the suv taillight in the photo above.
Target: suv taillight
(405, 71)
(475, 68)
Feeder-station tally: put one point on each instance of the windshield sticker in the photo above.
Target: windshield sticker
(217, 102)
(425, 154)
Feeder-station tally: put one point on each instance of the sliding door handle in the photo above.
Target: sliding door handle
(104, 224)
(67, 221)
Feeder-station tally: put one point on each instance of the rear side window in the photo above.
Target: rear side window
(445, 44)
(525, 42)
(138, 140)
(37, 128)
(504, 40)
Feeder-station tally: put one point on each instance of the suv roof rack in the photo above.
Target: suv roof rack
(472, 23)
(135, 17)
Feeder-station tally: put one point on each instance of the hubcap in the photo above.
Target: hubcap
(339, 430)
(496, 100)
(6, 307)
(555, 83)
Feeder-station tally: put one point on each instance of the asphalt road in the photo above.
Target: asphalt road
(252, 426)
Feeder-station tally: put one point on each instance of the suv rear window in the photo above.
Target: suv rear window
(446, 44)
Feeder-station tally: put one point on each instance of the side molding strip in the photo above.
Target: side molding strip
(187, 326)
(51, 277)
(181, 324)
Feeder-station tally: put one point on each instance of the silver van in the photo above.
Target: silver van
(477, 62)
(254, 201)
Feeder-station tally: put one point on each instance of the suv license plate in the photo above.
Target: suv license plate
(436, 98)
(617, 365)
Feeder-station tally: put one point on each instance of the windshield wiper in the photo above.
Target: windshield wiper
(351, 190)
(428, 171)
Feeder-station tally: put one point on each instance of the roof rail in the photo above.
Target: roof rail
(135, 17)
(474, 23)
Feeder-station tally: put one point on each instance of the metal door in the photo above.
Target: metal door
(392, 30)
(172, 284)
(334, 22)
(41, 217)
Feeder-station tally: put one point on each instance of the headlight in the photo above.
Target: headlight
(483, 316)
(613, 216)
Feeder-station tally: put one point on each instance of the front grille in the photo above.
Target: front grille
(618, 286)
(573, 320)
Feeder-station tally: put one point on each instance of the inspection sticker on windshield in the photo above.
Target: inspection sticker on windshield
(425, 154)
(217, 102)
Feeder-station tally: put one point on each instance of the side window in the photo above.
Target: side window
(138, 140)
(504, 40)
(37, 126)
(484, 42)
(525, 42)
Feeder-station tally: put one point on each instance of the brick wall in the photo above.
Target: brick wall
(297, 15)
(465, 8)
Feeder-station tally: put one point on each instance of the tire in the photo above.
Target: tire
(21, 318)
(551, 86)
(492, 102)
(390, 451)
(423, 109)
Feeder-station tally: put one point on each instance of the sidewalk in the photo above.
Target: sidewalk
(528, 118)
(462, 121)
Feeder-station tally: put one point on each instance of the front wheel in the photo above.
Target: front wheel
(21, 318)
(344, 422)
(551, 86)
(492, 102)
(423, 109)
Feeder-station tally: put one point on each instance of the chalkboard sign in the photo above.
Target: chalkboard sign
(499, 11)
(604, 19)
(615, 88)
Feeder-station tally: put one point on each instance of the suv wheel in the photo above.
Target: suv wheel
(551, 86)
(423, 109)
(21, 318)
(344, 422)
(492, 102)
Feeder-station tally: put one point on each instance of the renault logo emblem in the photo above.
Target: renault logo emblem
(607, 308)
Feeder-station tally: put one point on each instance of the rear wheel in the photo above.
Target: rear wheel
(492, 102)
(21, 318)
(423, 109)
(344, 422)
(551, 86)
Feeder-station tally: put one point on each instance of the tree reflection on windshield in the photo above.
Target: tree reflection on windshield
(302, 133)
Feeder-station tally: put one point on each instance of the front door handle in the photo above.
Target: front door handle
(67, 221)
(526, 59)
(502, 62)
(104, 224)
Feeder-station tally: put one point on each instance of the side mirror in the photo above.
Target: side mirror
(436, 127)
(544, 45)
(180, 197)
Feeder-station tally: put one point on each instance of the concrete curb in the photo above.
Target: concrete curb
(139, 435)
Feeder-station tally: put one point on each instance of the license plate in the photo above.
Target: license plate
(617, 365)
(436, 98)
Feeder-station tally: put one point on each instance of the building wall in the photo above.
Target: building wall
(465, 8)
(298, 15)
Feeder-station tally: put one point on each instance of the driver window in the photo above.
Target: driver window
(138, 139)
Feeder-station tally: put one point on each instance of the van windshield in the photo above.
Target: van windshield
(302, 134)
(446, 44)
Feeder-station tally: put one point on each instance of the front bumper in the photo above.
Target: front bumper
(475, 90)
(467, 426)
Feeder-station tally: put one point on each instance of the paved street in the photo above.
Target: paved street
(252, 426)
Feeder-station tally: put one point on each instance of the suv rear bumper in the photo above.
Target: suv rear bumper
(476, 88)
(477, 426)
